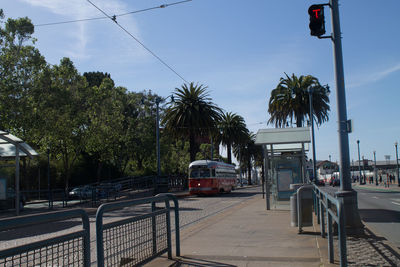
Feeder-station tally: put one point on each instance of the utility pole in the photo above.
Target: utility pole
(158, 100)
(375, 170)
(353, 220)
(310, 97)
(397, 164)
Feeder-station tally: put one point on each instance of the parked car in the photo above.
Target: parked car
(320, 182)
(335, 181)
(82, 192)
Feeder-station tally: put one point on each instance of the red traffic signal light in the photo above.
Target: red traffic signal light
(317, 20)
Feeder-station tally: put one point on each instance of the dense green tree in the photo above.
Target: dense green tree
(191, 115)
(290, 100)
(64, 114)
(232, 131)
(20, 66)
(95, 78)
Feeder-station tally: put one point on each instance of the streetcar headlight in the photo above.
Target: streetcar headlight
(198, 184)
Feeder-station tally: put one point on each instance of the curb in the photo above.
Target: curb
(376, 189)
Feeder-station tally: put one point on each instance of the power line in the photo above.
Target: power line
(106, 17)
(113, 18)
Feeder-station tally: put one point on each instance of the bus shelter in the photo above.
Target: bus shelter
(284, 151)
(13, 148)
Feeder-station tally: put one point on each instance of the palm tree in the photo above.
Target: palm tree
(191, 115)
(248, 152)
(290, 100)
(232, 131)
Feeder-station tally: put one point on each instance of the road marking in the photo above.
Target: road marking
(375, 197)
(396, 203)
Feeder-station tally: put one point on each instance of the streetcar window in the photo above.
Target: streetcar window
(213, 172)
(194, 173)
(204, 173)
(199, 173)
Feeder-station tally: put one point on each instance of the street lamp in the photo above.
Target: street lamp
(310, 97)
(359, 161)
(158, 101)
(397, 164)
(375, 170)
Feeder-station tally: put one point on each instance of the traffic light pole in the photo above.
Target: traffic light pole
(353, 221)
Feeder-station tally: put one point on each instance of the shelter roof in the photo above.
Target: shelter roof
(284, 139)
(8, 143)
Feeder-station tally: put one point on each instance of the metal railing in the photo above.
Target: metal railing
(137, 239)
(333, 207)
(72, 249)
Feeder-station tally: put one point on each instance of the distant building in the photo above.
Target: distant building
(326, 168)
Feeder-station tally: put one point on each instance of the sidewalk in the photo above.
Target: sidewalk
(379, 187)
(249, 235)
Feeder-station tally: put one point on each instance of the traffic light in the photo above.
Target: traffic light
(317, 20)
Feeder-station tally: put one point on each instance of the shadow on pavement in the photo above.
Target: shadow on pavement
(186, 261)
(379, 215)
(36, 230)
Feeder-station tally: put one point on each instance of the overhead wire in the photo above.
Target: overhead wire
(113, 18)
(105, 17)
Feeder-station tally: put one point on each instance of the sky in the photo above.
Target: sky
(239, 49)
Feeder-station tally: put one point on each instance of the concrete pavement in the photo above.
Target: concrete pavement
(249, 235)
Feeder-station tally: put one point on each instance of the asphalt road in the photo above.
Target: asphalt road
(380, 210)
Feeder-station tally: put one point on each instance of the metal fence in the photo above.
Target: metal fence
(138, 239)
(324, 203)
(71, 249)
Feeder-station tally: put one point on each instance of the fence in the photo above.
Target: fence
(71, 249)
(333, 207)
(138, 239)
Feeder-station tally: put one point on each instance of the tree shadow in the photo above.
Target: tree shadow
(37, 230)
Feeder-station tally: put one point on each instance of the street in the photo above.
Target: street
(379, 209)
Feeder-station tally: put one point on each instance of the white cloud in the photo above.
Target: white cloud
(80, 37)
(370, 76)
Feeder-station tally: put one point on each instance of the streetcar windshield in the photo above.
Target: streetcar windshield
(199, 173)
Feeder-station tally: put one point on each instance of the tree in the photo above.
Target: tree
(63, 111)
(247, 152)
(232, 131)
(290, 100)
(191, 115)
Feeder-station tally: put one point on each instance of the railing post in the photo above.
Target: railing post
(168, 228)
(342, 232)
(322, 217)
(318, 206)
(330, 237)
(154, 227)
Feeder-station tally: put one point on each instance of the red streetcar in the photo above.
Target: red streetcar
(207, 177)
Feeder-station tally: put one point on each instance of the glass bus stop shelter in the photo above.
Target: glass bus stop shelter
(284, 152)
(13, 148)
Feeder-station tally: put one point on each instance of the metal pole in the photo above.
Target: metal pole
(17, 193)
(375, 170)
(48, 176)
(240, 169)
(158, 136)
(267, 183)
(344, 158)
(353, 220)
(310, 94)
(363, 170)
(397, 164)
(359, 161)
